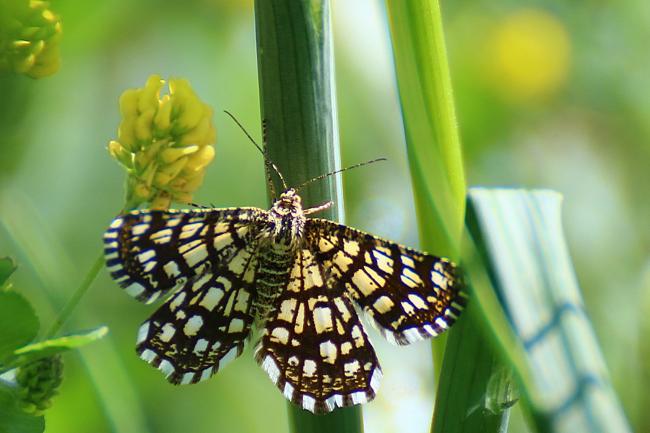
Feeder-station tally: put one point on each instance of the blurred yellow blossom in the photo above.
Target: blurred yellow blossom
(165, 143)
(29, 37)
(527, 55)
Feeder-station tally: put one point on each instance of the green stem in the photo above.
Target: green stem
(85, 283)
(429, 116)
(296, 92)
(76, 296)
(435, 160)
(432, 137)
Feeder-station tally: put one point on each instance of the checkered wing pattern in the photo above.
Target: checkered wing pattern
(409, 295)
(199, 329)
(207, 259)
(150, 253)
(314, 347)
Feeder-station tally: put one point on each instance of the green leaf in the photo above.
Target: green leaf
(429, 116)
(432, 138)
(554, 352)
(7, 267)
(12, 418)
(18, 323)
(51, 347)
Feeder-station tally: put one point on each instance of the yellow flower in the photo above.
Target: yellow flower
(528, 55)
(29, 37)
(165, 143)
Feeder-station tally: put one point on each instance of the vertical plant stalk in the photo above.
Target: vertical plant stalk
(430, 125)
(431, 129)
(295, 68)
(435, 159)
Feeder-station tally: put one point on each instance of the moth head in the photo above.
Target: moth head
(288, 204)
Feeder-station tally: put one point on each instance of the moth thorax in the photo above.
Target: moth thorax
(288, 218)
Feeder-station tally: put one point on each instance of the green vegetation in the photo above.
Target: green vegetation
(542, 95)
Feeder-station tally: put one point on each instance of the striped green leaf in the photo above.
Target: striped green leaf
(550, 342)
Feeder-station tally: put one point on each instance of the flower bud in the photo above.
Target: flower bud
(38, 382)
(29, 38)
(164, 142)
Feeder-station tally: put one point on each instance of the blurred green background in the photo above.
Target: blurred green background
(550, 94)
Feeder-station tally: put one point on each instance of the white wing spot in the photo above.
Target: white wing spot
(363, 282)
(322, 319)
(241, 304)
(167, 333)
(171, 269)
(328, 351)
(357, 336)
(300, 319)
(193, 325)
(145, 256)
(138, 229)
(200, 346)
(309, 368)
(384, 263)
(177, 301)
(281, 334)
(383, 304)
(418, 302)
(236, 325)
(408, 273)
(408, 261)
(162, 236)
(195, 256)
(189, 246)
(351, 247)
(188, 230)
(287, 309)
(325, 245)
(350, 368)
(212, 298)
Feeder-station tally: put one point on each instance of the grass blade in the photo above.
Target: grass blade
(296, 91)
(430, 125)
(435, 159)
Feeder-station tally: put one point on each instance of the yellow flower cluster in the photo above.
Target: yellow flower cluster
(165, 143)
(29, 37)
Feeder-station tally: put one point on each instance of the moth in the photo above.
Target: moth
(302, 282)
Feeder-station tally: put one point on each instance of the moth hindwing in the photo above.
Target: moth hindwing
(297, 279)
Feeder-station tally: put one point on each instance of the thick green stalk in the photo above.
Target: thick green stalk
(297, 102)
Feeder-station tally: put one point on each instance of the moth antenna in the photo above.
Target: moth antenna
(267, 162)
(323, 176)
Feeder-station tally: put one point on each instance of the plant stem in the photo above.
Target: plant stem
(430, 125)
(76, 296)
(85, 283)
(435, 159)
(296, 90)
(432, 138)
